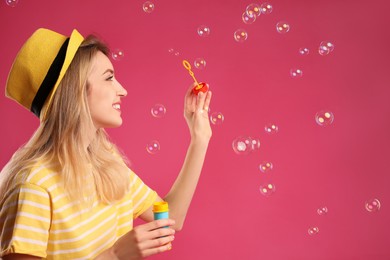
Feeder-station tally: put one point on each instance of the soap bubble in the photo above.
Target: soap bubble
(200, 63)
(240, 35)
(303, 51)
(266, 8)
(203, 31)
(255, 144)
(118, 54)
(324, 118)
(296, 73)
(242, 145)
(217, 118)
(266, 167)
(148, 7)
(325, 48)
(322, 211)
(271, 128)
(153, 147)
(373, 205)
(313, 231)
(267, 189)
(11, 3)
(248, 19)
(282, 27)
(253, 10)
(158, 110)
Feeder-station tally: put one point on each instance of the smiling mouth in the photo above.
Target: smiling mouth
(117, 106)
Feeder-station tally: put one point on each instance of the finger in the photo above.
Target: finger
(161, 232)
(207, 101)
(190, 99)
(158, 242)
(142, 235)
(156, 224)
(157, 250)
(200, 102)
(189, 92)
(191, 104)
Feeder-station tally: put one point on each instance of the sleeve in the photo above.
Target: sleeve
(25, 219)
(143, 197)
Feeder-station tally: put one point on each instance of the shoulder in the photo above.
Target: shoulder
(41, 174)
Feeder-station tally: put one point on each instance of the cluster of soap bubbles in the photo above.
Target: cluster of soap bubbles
(325, 48)
(314, 230)
(243, 145)
(249, 16)
(371, 205)
(253, 11)
(267, 188)
(159, 111)
(148, 7)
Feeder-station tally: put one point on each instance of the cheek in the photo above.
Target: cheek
(99, 102)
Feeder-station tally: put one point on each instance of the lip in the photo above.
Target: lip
(117, 103)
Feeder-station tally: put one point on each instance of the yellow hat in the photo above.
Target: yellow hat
(39, 67)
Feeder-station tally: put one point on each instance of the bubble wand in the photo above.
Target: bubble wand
(199, 86)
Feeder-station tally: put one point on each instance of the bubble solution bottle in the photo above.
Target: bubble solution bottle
(160, 210)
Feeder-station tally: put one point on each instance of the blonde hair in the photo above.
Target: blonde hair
(63, 139)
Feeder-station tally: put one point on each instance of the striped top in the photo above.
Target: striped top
(37, 218)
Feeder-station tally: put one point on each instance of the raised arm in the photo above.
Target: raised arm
(180, 195)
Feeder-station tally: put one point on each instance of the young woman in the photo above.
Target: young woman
(68, 193)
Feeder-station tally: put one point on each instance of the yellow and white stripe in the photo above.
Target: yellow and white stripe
(38, 219)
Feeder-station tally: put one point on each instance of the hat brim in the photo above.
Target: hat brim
(75, 41)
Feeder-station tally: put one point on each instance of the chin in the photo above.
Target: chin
(111, 124)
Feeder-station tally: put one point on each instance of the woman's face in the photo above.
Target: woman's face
(105, 92)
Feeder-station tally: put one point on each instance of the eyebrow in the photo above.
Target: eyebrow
(108, 70)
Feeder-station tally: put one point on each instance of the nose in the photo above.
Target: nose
(122, 92)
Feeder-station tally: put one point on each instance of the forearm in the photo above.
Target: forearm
(182, 191)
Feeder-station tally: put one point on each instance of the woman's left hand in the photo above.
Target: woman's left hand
(196, 113)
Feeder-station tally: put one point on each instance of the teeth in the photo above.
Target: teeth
(116, 106)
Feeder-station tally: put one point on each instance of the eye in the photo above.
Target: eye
(110, 78)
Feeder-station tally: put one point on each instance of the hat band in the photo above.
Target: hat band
(49, 80)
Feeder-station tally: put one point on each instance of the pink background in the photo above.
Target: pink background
(340, 166)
